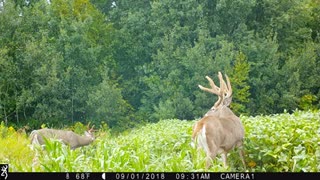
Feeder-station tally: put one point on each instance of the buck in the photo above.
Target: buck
(220, 130)
(67, 137)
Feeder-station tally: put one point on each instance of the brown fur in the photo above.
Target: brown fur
(67, 137)
(223, 133)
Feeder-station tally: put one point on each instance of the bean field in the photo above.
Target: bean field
(276, 143)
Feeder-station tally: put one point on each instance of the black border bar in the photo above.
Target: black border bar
(158, 175)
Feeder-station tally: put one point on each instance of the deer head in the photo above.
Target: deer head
(89, 132)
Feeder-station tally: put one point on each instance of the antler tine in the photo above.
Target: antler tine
(88, 127)
(91, 130)
(229, 93)
(223, 85)
(226, 90)
(215, 89)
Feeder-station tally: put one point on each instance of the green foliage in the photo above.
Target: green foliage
(52, 71)
(283, 142)
(106, 104)
(239, 84)
(276, 143)
(79, 128)
(307, 102)
(304, 75)
(3, 130)
(76, 60)
(14, 148)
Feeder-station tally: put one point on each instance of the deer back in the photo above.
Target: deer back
(67, 137)
(225, 131)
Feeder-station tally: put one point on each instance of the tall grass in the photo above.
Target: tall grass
(278, 143)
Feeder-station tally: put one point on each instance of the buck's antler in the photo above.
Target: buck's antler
(90, 130)
(224, 93)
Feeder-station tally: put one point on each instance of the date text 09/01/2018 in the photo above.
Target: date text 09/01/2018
(181, 176)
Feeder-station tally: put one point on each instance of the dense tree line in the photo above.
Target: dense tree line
(124, 62)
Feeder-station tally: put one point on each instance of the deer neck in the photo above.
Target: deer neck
(219, 111)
